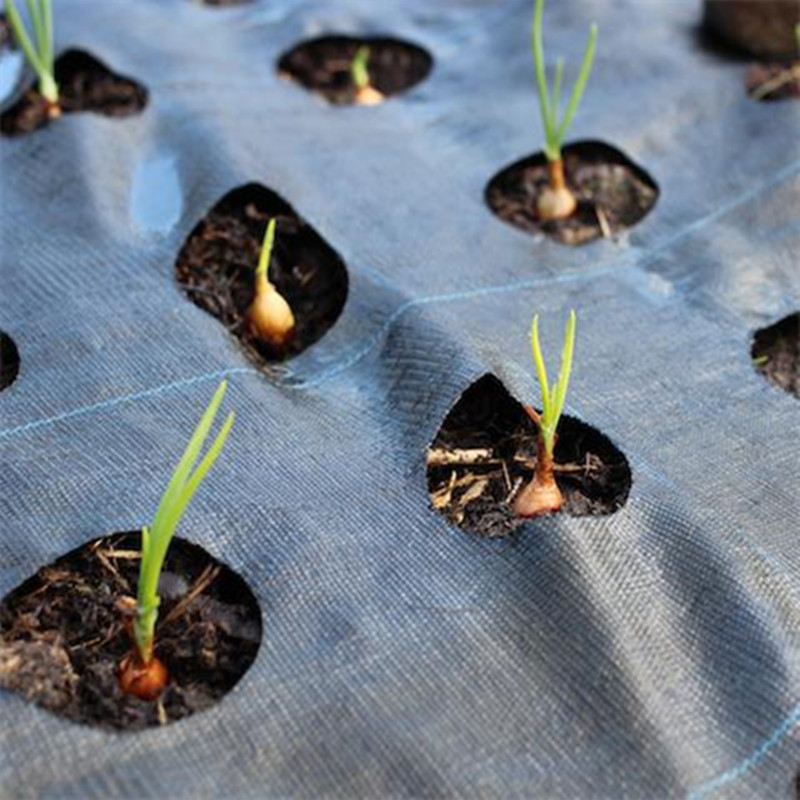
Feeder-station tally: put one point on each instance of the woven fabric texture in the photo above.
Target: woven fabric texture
(652, 653)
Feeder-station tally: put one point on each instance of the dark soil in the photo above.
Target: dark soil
(216, 268)
(776, 353)
(592, 473)
(9, 361)
(323, 65)
(612, 192)
(5, 33)
(774, 81)
(761, 28)
(62, 637)
(85, 84)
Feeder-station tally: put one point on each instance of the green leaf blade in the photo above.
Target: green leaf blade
(553, 398)
(265, 257)
(580, 85)
(176, 498)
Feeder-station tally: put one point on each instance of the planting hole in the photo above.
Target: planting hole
(776, 353)
(63, 637)
(323, 66)
(486, 450)
(9, 361)
(216, 268)
(85, 84)
(612, 192)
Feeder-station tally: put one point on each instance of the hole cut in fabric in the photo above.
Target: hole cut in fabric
(63, 636)
(776, 353)
(613, 193)
(322, 66)
(85, 84)
(9, 361)
(216, 268)
(486, 450)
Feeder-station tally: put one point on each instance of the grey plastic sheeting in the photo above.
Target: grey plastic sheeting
(652, 653)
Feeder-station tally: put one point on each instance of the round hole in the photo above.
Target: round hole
(322, 66)
(63, 635)
(776, 353)
(216, 267)
(486, 450)
(613, 193)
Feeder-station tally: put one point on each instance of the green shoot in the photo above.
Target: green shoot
(38, 51)
(156, 540)
(266, 250)
(359, 68)
(797, 36)
(553, 397)
(556, 126)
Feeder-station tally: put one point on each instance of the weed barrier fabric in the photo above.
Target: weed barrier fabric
(651, 653)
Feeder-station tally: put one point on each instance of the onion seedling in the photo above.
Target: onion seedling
(366, 93)
(556, 201)
(39, 49)
(270, 317)
(542, 495)
(141, 673)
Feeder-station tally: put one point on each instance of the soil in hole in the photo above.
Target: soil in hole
(612, 192)
(760, 28)
(776, 353)
(323, 65)
(216, 268)
(9, 361)
(774, 81)
(486, 450)
(85, 84)
(62, 637)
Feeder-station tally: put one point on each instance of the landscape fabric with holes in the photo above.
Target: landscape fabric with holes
(393, 633)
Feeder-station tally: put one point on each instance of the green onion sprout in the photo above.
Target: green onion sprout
(542, 495)
(366, 93)
(359, 67)
(143, 675)
(38, 49)
(557, 201)
(270, 318)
